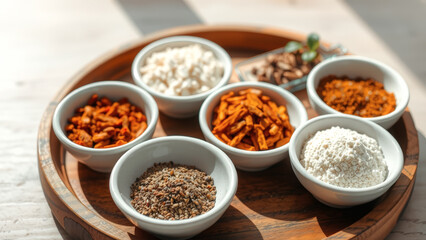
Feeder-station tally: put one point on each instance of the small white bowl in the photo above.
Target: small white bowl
(180, 106)
(181, 150)
(355, 67)
(340, 197)
(103, 160)
(252, 160)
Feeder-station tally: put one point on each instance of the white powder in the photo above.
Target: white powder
(344, 158)
(182, 71)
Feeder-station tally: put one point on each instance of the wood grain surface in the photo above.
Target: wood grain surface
(268, 205)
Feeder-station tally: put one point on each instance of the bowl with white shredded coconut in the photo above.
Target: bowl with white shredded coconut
(345, 160)
(180, 72)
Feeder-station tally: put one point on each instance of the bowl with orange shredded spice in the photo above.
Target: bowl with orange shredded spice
(358, 86)
(252, 122)
(99, 122)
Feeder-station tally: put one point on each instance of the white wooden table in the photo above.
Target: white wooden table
(43, 43)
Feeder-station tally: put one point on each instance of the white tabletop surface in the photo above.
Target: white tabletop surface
(43, 43)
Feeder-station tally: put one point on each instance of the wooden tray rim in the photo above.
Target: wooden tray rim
(48, 172)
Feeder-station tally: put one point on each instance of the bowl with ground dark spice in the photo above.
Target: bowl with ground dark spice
(99, 122)
(173, 187)
(358, 86)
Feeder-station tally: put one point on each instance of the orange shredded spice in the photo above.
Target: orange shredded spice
(105, 124)
(360, 97)
(251, 121)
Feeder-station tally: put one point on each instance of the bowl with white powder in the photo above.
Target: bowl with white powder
(180, 72)
(345, 160)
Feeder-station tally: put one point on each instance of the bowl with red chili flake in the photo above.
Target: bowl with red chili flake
(99, 122)
(359, 86)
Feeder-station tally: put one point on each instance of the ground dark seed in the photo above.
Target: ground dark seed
(173, 192)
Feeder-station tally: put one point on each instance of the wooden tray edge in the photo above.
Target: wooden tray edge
(49, 176)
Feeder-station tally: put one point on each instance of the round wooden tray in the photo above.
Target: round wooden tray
(270, 204)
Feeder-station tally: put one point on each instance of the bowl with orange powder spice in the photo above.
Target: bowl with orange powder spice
(99, 122)
(358, 86)
(252, 122)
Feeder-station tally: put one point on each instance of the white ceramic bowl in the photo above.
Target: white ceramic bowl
(354, 67)
(103, 160)
(180, 150)
(338, 196)
(252, 160)
(180, 106)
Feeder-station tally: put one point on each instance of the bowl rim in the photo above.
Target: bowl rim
(286, 95)
(152, 108)
(229, 194)
(150, 48)
(401, 103)
(390, 179)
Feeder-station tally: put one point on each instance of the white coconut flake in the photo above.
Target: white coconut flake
(182, 71)
(344, 158)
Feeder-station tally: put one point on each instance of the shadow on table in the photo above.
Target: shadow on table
(399, 24)
(150, 16)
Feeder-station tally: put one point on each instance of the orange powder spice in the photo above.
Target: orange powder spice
(360, 97)
(251, 121)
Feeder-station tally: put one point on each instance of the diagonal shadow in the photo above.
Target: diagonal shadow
(401, 25)
(153, 15)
